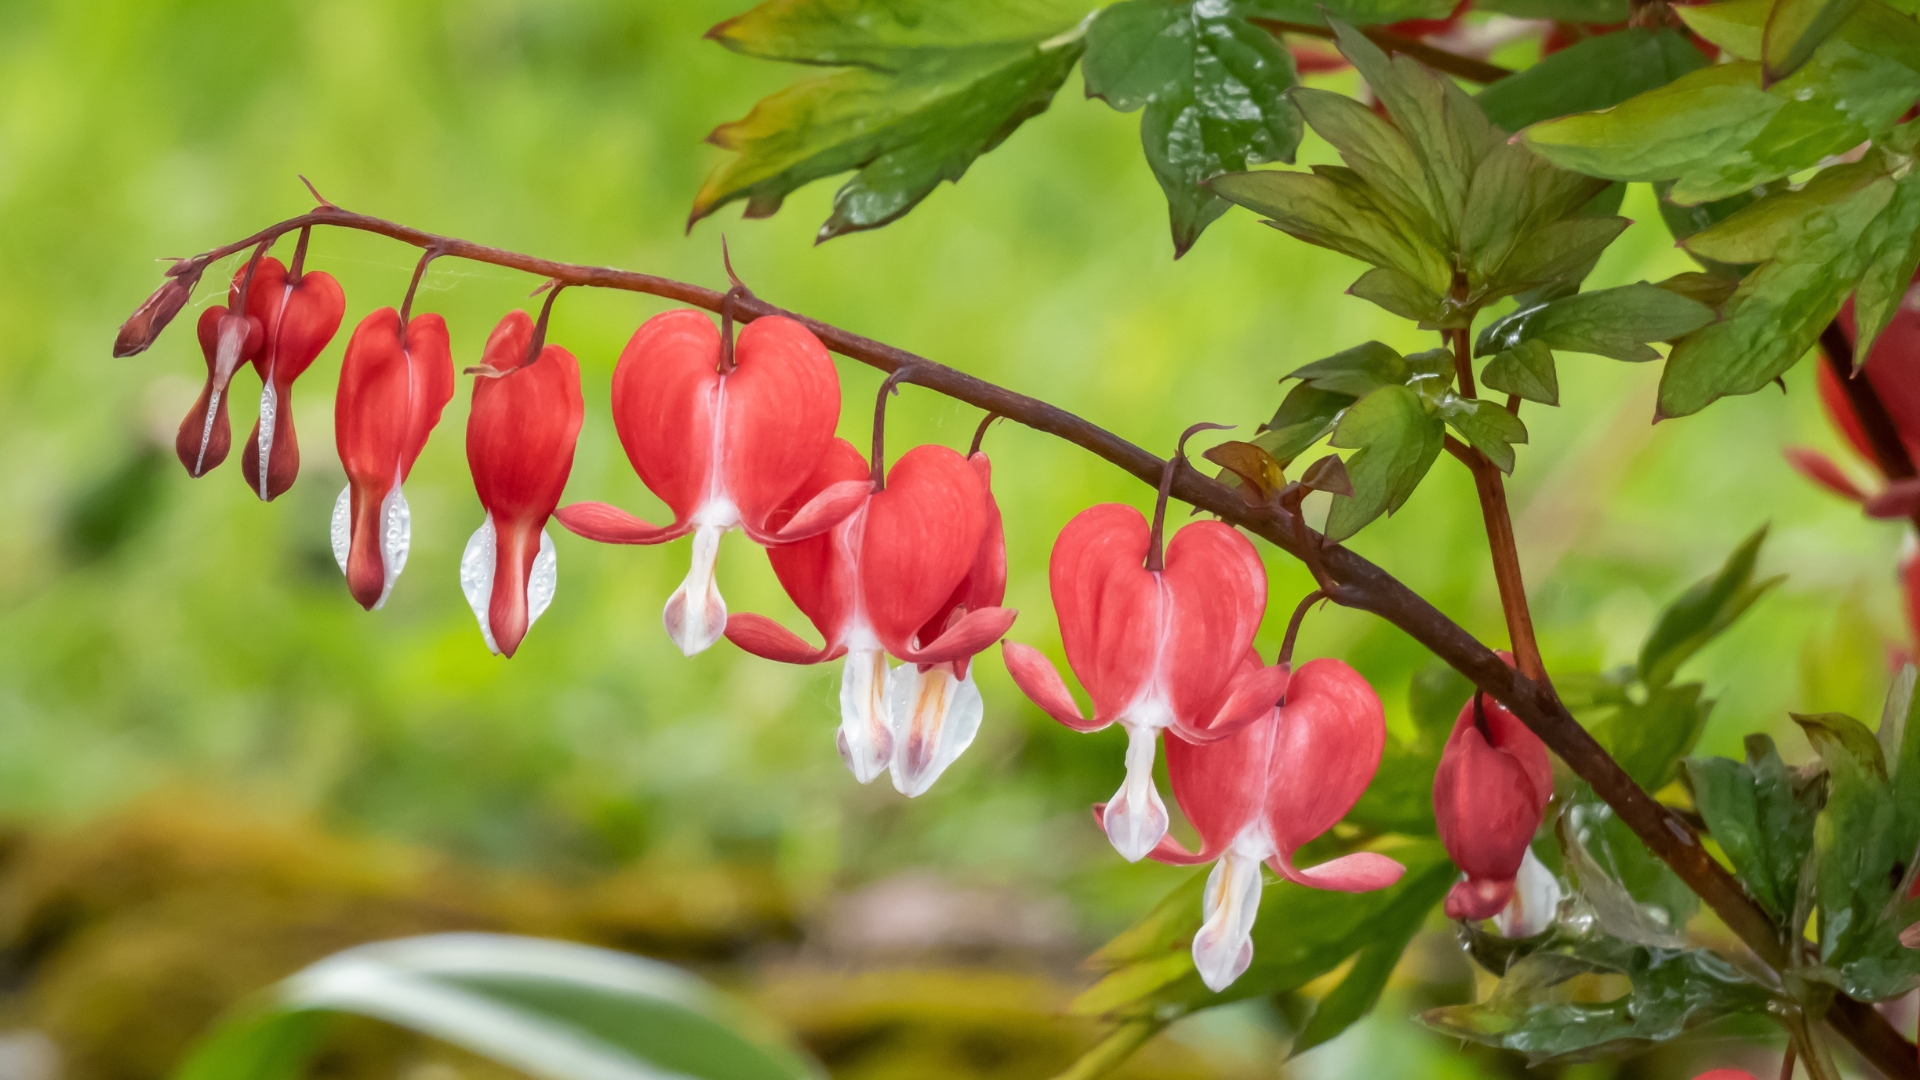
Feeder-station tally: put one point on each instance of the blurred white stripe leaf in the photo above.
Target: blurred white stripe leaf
(553, 1010)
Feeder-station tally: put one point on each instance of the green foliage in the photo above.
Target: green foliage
(1355, 12)
(1594, 74)
(1719, 131)
(1526, 370)
(1704, 612)
(1396, 438)
(1214, 89)
(922, 100)
(1616, 323)
(1761, 814)
(1812, 245)
(1795, 28)
(552, 1010)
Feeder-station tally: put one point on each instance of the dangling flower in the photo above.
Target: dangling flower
(723, 445)
(228, 336)
(137, 334)
(393, 386)
(936, 707)
(520, 437)
(875, 580)
(1156, 642)
(299, 313)
(1489, 796)
(1261, 793)
(1893, 371)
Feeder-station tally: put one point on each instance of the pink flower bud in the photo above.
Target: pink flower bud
(1488, 799)
(152, 316)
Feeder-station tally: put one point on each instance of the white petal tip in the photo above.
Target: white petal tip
(935, 718)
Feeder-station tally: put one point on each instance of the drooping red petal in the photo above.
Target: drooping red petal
(781, 403)
(1894, 371)
(429, 354)
(919, 539)
(823, 511)
(370, 432)
(1328, 736)
(299, 320)
(1109, 606)
(1217, 594)
(818, 572)
(604, 523)
(205, 435)
(1822, 470)
(1488, 798)
(972, 633)
(1221, 786)
(1254, 691)
(769, 640)
(1362, 871)
(520, 440)
(666, 393)
(1900, 499)
(1037, 678)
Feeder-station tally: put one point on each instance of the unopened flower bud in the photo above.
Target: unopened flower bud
(153, 315)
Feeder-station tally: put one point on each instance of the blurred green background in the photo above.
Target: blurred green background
(200, 732)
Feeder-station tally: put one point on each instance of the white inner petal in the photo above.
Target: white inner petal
(1536, 900)
(476, 577)
(545, 577)
(342, 531)
(396, 535)
(935, 718)
(696, 615)
(1223, 947)
(268, 413)
(206, 429)
(866, 735)
(1136, 819)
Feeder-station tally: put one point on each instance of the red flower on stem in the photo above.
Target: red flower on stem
(724, 436)
(1157, 639)
(520, 437)
(1261, 793)
(879, 583)
(1489, 797)
(394, 383)
(228, 336)
(300, 312)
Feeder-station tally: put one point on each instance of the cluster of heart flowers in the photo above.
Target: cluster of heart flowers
(907, 563)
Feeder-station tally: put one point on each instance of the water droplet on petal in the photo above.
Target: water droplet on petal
(342, 530)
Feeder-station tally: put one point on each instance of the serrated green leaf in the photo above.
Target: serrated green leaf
(1717, 132)
(1407, 298)
(1617, 323)
(1590, 75)
(1376, 150)
(1330, 208)
(1564, 251)
(1527, 370)
(1214, 90)
(1811, 240)
(549, 1009)
(1491, 429)
(1703, 612)
(1795, 28)
(1397, 440)
(1356, 372)
(1515, 196)
(1762, 817)
(1648, 738)
(904, 130)
(1890, 248)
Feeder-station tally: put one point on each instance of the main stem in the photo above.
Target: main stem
(1357, 583)
(1493, 508)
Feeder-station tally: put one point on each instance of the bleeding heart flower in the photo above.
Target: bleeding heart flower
(874, 582)
(1894, 373)
(1489, 796)
(393, 386)
(299, 314)
(1261, 793)
(936, 707)
(520, 437)
(722, 448)
(1155, 646)
(228, 336)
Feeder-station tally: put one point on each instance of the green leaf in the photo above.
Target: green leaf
(1397, 439)
(1356, 12)
(1594, 74)
(1762, 817)
(1717, 132)
(886, 37)
(1648, 738)
(552, 1010)
(1359, 991)
(1516, 200)
(1306, 415)
(932, 98)
(1214, 90)
(1435, 696)
(1703, 612)
(1810, 241)
(1526, 370)
(1332, 208)
(1736, 26)
(1356, 372)
(1890, 246)
(1373, 148)
(1607, 322)
(1407, 298)
(1490, 428)
(1795, 28)
(1564, 251)
(1853, 851)
(1400, 799)
(1575, 11)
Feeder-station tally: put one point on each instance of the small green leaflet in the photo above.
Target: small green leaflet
(1491, 429)
(1527, 370)
(922, 99)
(1594, 74)
(1761, 815)
(1397, 439)
(1795, 28)
(1648, 738)
(1891, 245)
(1214, 89)
(1812, 244)
(1717, 131)
(1616, 323)
(1852, 838)
(1356, 12)
(1704, 612)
